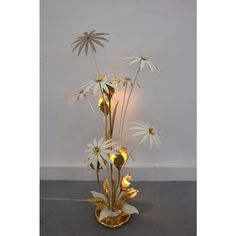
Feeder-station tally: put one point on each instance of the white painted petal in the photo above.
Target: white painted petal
(137, 128)
(129, 58)
(142, 122)
(151, 141)
(105, 213)
(139, 133)
(90, 146)
(99, 195)
(89, 86)
(104, 86)
(144, 138)
(95, 88)
(109, 145)
(107, 151)
(110, 84)
(105, 157)
(95, 142)
(107, 141)
(100, 142)
(150, 66)
(127, 208)
(101, 162)
(142, 64)
(155, 141)
(133, 61)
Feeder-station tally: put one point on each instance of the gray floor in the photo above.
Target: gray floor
(166, 209)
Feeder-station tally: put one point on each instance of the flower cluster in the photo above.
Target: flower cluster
(109, 151)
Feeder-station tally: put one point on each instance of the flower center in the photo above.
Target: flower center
(100, 78)
(143, 58)
(151, 131)
(96, 150)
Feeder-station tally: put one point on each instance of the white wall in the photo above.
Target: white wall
(163, 30)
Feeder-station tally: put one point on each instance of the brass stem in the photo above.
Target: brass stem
(122, 110)
(118, 182)
(98, 178)
(127, 104)
(95, 61)
(133, 148)
(93, 111)
(111, 131)
(105, 110)
(112, 187)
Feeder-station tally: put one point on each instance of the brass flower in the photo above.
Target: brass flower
(88, 40)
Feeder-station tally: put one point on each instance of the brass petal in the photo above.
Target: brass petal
(101, 38)
(97, 34)
(86, 48)
(97, 42)
(92, 45)
(77, 45)
(81, 47)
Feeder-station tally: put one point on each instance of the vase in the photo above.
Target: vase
(115, 221)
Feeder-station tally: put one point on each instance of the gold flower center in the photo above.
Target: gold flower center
(100, 78)
(96, 150)
(151, 131)
(143, 58)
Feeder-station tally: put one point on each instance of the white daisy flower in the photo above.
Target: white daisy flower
(98, 152)
(142, 62)
(128, 81)
(146, 131)
(94, 85)
(80, 95)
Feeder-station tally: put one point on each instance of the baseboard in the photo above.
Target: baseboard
(140, 172)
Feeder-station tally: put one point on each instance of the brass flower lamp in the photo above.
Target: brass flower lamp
(109, 153)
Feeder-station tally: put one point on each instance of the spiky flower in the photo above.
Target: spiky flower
(98, 152)
(145, 131)
(80, 94)
(142, 62)
(100, 80)
(88, 40)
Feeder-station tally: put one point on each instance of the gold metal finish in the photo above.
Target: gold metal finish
(112, 222)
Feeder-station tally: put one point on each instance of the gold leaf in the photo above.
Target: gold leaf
(129, 194)
(125, 182)
(105, 185)
(101, 105)
(97, 201)
(119, 161)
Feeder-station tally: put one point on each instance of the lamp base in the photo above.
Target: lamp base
(112, 222)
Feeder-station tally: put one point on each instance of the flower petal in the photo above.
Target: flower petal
(140, 133)
(133, 61)
(100, 141)
(142, 64)
(105, 213)
(95, 142)
(129, 58)
(127, 208)
(144, 138)
(151, 140)
(101, 162)
(99, 195)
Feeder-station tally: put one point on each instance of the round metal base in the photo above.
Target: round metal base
(112, 222)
